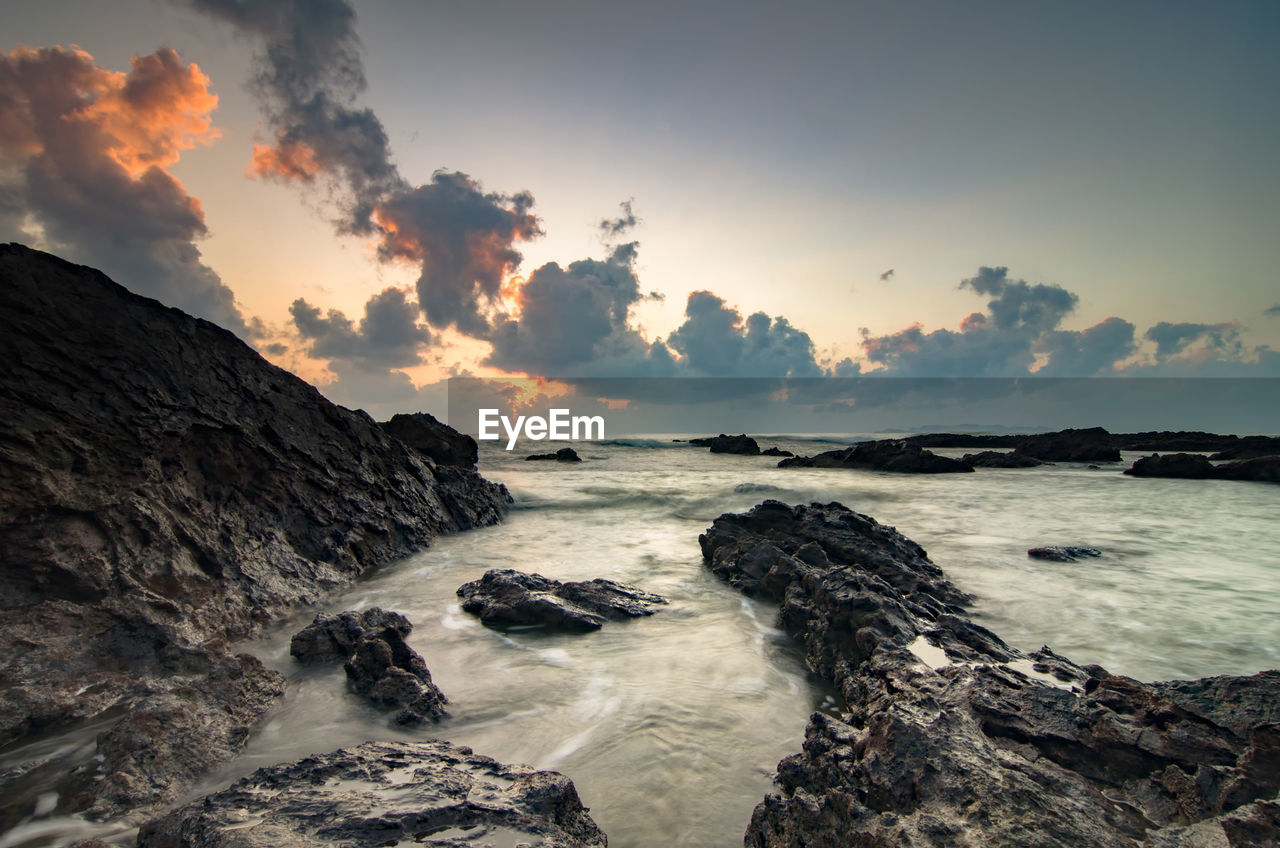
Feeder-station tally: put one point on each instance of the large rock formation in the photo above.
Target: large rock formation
(164, 489)
(1000, 459)
(445, 445)
(740, 444)
(384, 793)
(953, 737)
(1259, 469)
(505, 597)
(1088, 445)
(886, 455)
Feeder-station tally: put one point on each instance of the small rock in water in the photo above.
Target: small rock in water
(562, 455)
(384, 793)
(776, 451)
(331, 638)
(391, 674)
(1062, 553)
(741, 443)
(506, 597)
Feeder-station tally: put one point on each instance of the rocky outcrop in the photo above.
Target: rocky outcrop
(1260, 469)
(333, 638)
(1172, 441)
(384, 793)
(389, 673)
(163, 490)
(952, 737)
(423, 433)
(562, 455)
(740, 444)
(1088, 445)
(887, 455)
(776, 451)
(1249, 447)
(1062, 553)
(505, 598)
(1000, 459)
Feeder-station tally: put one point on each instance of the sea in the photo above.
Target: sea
(671, 726)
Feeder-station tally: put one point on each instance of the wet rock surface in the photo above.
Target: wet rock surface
(776, 451)
(384, 793)
(425, 434)
(1062, 553)
(389, 673)
(164, 490)
(740, 444)
(887, 455)
(562, 455)
(952, 737)
(505, 598)
(333, 638)
(1000, 459)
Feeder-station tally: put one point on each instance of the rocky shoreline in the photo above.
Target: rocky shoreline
(952, 737)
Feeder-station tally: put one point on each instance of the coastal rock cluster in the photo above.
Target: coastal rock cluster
(163, 491)
(1194, 466)
(562, 455)
(507, 598)
(384, 793)
(952, 737)
(889, 455)
(379, 664)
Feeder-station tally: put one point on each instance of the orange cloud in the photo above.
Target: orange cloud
(287, 160)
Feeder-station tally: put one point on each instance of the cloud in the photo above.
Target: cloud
(87, 150)
(1016, 305)
(715, 341)
(1084, 353)
(308, 76)
(627, 221)
(464, 240)
(1275, 310)
(1221, 340)
(388, 335)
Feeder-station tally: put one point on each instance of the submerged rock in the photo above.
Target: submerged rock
(953, 737)
(1000, 459)
(331, 638)
(1062, 553)
(425, 434)
(740, 444)
(166, 490)
(887, 455)
(384, 793)
(562, 455)
(506, 597)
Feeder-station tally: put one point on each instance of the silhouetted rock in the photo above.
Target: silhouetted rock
(1172, 441)
(389, 673)
(1000, 459)
(505, 597)
(1089, 445)
(330, 638)
(384, 793)
(1260, 469)
(562, 455)
(1190, 465)
(1062, 553)
(742, 444)
(887, 455)
(964, 440)
(953, 737)
(776, 451)
(423, 433)
(1249, 447)
(166, 490)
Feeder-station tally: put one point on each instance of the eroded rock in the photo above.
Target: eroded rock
(389, 673)
(384, 793)
(333, 638)
(506, 597)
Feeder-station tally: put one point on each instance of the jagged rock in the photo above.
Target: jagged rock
(562, 455)
(505, 597)
(776, 451)
(1062, 553)
(330, 638)
(741, 444)
(1189, 465)
(953, 737)
(1086, 445)
(389, 673)
(886, 455)
(423, 433)
(1000, 459)
(164, 490)
(384, 793)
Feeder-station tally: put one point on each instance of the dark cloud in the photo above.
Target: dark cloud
(388, 336)
(1084, 353)
(715, 341)
(1221, 341)
(464, 239)
(1018, 306)
(1275, 310)
(87, 149)
(308, 76)
(612, 227)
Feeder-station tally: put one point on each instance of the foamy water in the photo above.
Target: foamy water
(671, 726)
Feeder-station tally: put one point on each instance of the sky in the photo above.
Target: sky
(380, 195)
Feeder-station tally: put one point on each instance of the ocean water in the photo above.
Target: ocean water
(671, 726)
